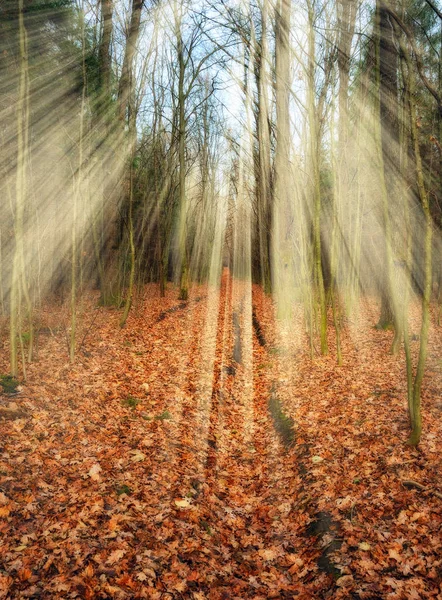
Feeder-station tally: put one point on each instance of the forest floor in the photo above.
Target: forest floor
(200, 452)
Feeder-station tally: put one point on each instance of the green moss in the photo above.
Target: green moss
(205, 525)
(25, 337)
(9, 384)
(163, 416)
(130, 402)
(123, 489)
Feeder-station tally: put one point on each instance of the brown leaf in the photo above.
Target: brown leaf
(115, 556)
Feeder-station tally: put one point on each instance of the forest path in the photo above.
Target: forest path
(251, 481)
(234, 469)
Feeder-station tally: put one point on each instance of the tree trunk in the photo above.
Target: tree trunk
(281, 250)
(18, 275)
(184, 275)
(414, 394)
(126, 102)
(388, 114)
(314, 151)
(104, 52)
(263, 179)
(125, 86)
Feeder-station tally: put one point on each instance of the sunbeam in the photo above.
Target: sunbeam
(220, 298)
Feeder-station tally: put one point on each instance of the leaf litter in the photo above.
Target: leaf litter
(99, 499)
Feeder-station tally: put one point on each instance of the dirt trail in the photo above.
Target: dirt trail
(234, 469)
(251, 482)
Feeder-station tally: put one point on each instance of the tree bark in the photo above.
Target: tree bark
(126, 102)
(281, 251)
(263, 179)
(388, 114)
(314, 151)
(18, 281)
(414, 394)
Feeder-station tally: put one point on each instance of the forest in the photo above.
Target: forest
(221, 299)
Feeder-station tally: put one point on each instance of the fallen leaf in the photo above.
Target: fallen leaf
(89, 571)
(94, 472)
(115, 556)
(24, 574)
(392, 553)
(345, 581)
(267, 554)
(317, 459)
(364, 546)
(137, 456)
(182, 503)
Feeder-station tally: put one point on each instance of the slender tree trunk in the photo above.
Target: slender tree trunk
(282, 271)
(18, 276)
(76, 199)
(439, 290)
(184, 276)
(387, 68)
(104, 51)
(132, 257)
(156, 142)
(415, 394)
(263, 179)
(346, 23)
(126, 103)
(106, 224)
(382, 149)
(315, 178)
(408, 250)
(334, 247)
(125, 85)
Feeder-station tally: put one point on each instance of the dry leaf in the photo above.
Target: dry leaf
(94, 472)
(137, 456)
(182, 503)
(317, 459)
(364, 546)
(345, 581)
(115, 556)
(267, 554)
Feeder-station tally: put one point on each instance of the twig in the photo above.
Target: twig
(413, 484)
(88, 329)
(409, 483)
